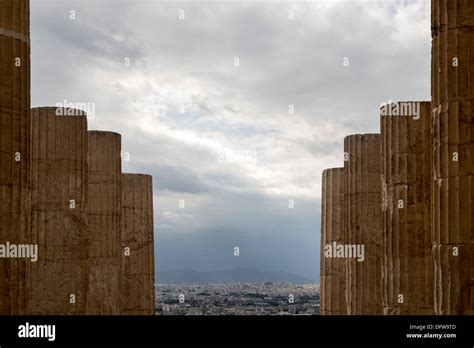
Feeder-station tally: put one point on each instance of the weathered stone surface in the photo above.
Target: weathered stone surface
(104, 211)
(454, 211)
(454, 279)
(137, 271)
(363, 222)
(406, 214)
(452, 145)
(58, 212)
(332, 275)
(451, 14)
(453, 140)
(14, 154)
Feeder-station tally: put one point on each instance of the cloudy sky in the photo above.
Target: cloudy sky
(234, 107)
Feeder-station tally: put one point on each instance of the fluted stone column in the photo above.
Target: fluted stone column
(14, 150)
(137, 273)
(363, 223)
(332, 275)
(406, 202)
(104, 211)
(453, 153)
(58, 280)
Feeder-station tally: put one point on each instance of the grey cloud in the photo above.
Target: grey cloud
(175, 178)
(282, 62)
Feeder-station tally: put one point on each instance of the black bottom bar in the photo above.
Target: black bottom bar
(224, 330)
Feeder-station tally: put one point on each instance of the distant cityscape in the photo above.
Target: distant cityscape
(237, 299)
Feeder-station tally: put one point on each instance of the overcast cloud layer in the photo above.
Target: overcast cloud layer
(182, 103)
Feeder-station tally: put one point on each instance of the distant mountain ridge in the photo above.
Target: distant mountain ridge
(237, 275)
